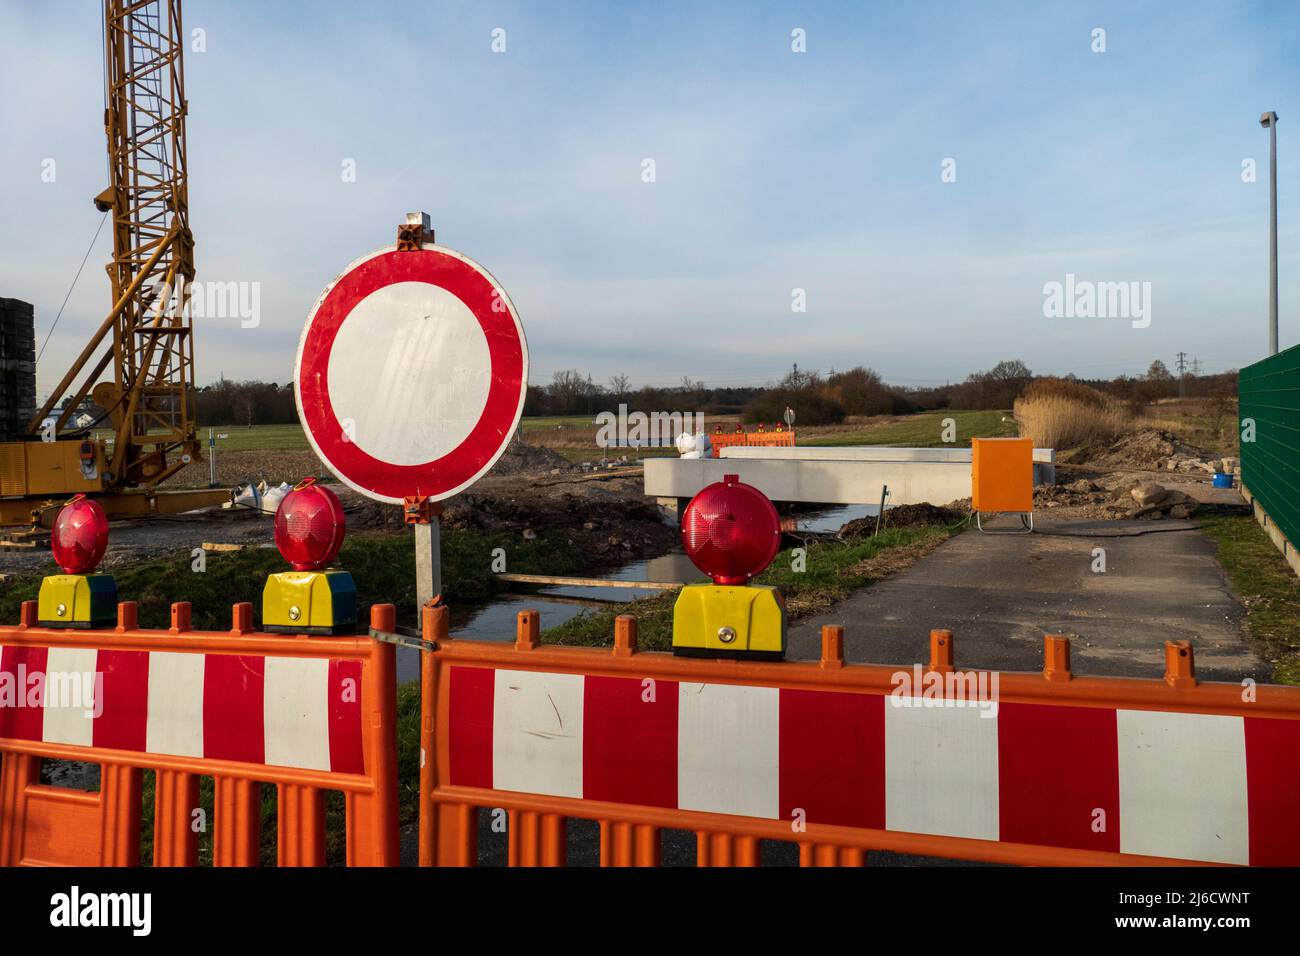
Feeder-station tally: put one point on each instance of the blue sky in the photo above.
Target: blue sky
(775, 170)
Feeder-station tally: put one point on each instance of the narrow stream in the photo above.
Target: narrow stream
(495, 621)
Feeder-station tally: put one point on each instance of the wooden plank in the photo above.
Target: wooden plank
(628, 471)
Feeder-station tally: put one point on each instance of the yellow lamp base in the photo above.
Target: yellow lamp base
(712, 620)
(309, 602)
(77, 600)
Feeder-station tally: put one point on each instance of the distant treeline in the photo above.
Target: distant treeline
(246, 403)
(821, 399)
(817, 398)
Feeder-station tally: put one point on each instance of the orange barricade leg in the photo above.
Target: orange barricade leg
(120, 791)
(537, 839)
(455, 838)
(628, 844)
(17, 772)
(725, 849)
(301, 825)
(815, 854)
(175, 839)
(237, 812)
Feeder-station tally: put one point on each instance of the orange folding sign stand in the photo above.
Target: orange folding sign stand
(1002, 479)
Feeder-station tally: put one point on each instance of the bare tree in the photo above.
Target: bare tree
(1159, 372)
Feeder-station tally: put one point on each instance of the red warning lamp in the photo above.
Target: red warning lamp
(309, 526)
(79, 537)
(78, 598)
(731, 531)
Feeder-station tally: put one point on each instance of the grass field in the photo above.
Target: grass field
(924, 430)
(551, 421)
(257, 438)
(1267, 586)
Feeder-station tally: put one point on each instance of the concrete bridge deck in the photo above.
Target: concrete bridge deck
(848, 475)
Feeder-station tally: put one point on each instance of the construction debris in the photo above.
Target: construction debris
(1127, 499)
(1149, 449)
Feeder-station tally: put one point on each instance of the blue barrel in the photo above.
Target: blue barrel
(1222, 480)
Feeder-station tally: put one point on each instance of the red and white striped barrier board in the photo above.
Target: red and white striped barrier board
(1186, 786)
(282, 711)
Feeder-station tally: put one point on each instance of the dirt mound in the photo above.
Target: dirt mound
(1147, 449)
(904, 516)
(520, 458)
(611, 527)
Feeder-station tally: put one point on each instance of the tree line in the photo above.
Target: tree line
(246, 403)
(818, 398)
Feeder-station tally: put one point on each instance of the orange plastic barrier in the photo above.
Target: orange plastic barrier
(305, 714)
(1041, 769)
(765, 439)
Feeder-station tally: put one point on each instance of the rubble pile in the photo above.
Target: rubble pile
(902, 516)
(1131, 499)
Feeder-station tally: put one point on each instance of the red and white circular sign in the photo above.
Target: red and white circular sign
(411, 373)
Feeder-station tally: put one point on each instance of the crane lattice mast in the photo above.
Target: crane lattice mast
(147, 336)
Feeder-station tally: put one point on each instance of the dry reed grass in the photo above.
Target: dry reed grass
(1057, 413)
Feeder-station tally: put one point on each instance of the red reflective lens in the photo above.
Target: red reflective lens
(79, 537)
(309, 527)
(731, 531)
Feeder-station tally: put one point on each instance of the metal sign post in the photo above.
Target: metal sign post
(411, 376)
(423, 515)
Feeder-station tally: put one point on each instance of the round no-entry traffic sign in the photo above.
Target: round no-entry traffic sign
(411, 373)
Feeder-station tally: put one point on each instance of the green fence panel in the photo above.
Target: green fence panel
(1270, 465)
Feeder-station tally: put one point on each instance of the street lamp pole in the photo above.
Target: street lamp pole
(1269, 121)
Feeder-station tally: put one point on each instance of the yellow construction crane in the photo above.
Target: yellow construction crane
(146, 341)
